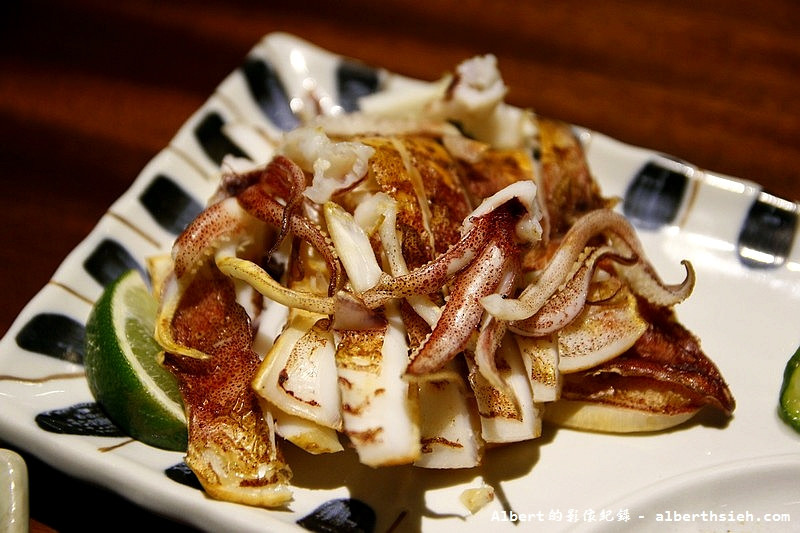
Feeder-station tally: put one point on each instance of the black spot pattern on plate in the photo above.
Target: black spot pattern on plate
(213, 140)
(169, 205)
(181, 473)
(346, 515)
(268, 92)
(654, 196)
(767, 233)
(79, 419)
(108, 261)
(354, 80)
(55, 335)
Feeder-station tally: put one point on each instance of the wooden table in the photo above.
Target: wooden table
(91, 90)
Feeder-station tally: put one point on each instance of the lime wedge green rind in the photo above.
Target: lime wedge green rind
(790, 392)
(122, 366)
(137, 319)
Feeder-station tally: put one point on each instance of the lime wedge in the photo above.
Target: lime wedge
(790, 392)
(122, 366)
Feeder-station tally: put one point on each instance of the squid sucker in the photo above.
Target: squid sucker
(418, 292)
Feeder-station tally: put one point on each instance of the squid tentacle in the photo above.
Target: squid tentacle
(435, 273)
(643, 277)
(286, 168)
(258, 203)
(463, 312)
(492, 332)
(224, 222)
(563, 306)
(261, 281)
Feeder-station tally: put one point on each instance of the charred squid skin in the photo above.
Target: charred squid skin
(231, 446)
(666, 357)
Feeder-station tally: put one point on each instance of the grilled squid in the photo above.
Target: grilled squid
(437, 290)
